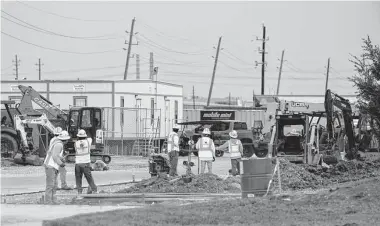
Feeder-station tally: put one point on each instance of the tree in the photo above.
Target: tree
(367, 80)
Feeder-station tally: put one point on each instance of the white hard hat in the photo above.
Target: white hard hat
(64, 135)
(57, 131)
(206, 131)
(176, 126)
(82, 133)
(233, 134)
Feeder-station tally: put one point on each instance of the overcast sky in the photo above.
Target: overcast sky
(85, 40)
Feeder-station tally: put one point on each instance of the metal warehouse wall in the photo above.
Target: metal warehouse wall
(248, 116)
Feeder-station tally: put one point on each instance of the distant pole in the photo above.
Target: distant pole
(39, 68)
(16, 65)
(327, 74)
(193, 98)
(213, 72)
(263, 62)
(129, 49)
(137, 66)
(151, 66)
(229, 99)
(279, 73)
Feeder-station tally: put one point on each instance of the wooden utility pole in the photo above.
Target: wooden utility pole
(16, 65)
(279, 73)
(137, 66)
(229, 99)
(263, 61)
(39, 68)
(129, 49)
(151, 65)
(213, 72)
(193, 98)
(327, 74)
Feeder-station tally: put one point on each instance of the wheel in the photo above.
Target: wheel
(106, 159)
(9, 146)
(158, 168)
(261, 153)
(219, 153)
(183, 153)
(248, 150)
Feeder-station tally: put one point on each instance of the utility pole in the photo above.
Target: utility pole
(229, 99)
(193, 98)
(279, 73)
(327, 74)
(129, 49)
(151, 65)
(17, 63)
(39, 68)
(213, 72)
(263, 63)
(137, 66)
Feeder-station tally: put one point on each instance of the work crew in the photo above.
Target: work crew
(83, 162)
(62, 170)
(173, 150)
(206, 150)
(52, 163)
(235, 147)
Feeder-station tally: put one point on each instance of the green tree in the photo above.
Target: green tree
(367, 80)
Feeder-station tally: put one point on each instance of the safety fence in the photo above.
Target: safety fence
(132, 131)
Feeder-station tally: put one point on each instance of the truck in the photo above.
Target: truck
(16, 137)
(219, 133)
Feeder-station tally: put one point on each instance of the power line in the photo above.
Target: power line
(66, 17)
(42, 30)
(236, 58)
(171, 50)
(57, 50)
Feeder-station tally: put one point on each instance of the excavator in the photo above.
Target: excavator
(18, 136)
(340, 124)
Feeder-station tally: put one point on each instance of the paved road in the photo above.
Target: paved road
(36, 182)
(33, 215)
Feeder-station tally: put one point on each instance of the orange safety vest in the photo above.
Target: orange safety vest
(234, 149)
(171, 146)
(205, 149)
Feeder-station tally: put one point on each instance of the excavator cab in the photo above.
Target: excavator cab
(89, 119)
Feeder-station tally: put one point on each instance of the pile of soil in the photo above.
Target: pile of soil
(203, 183)
(297, 177)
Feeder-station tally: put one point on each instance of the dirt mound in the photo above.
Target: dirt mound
(345, 171)
(296, 177)
(203, 183)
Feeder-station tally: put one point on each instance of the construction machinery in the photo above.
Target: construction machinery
(340, 125)
(17, 137)
(294, 136)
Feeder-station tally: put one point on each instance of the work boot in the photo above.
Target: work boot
(66, 188)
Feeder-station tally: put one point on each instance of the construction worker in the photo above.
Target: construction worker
(173, 150)
(83, 162)
(235, 147)
(62, 170)
(52, 163)
(206, 150)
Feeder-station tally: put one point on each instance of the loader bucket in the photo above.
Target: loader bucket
(33, 160)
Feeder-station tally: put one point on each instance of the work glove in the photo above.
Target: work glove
(213, 159)
(62, 165)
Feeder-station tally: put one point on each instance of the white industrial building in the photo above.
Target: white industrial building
(141, 100)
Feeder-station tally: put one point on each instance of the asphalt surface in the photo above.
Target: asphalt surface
(31, 182)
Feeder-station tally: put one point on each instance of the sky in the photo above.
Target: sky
(85, 40)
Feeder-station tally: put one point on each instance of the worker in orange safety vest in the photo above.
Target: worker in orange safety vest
(206, 153)
(173, 150)
(235, 147)
(52, 163)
